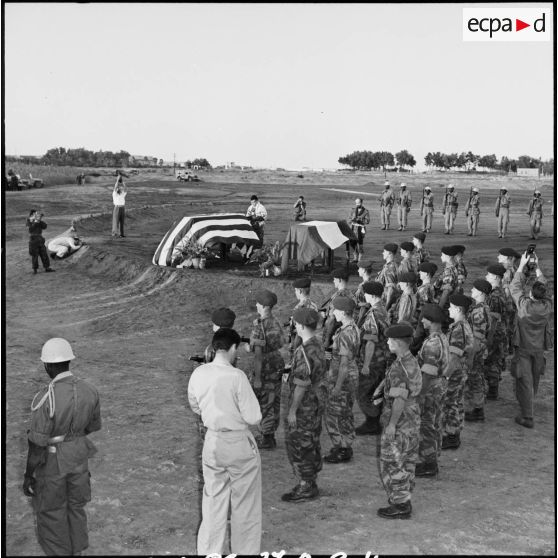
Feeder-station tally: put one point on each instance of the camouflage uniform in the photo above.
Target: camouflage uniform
(406, 265)
(399, 455)
(450, 210)
(386, 203)
(535, 213)
(387, 276)
(475, 387)
(295, 339)
(511, 309)
(446, 283)
(330, 323)
(503, 213)
(267, 333)
(433, 359)
(495, 363)
(461, 275)
(373, 330)
(361, 305)
(427, 210)
(461, 341)
(404, 309)
(403, 207)
(472, 212)
(425, 295)
(339, 419)
(421, 255)
(303, 440)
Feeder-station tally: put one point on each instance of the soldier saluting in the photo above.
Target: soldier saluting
(387, 200)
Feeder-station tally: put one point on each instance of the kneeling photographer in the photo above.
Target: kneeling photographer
(532, 334)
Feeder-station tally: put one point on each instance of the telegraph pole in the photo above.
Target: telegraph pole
(174, 164)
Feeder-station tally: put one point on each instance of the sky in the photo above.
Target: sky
(270, 85)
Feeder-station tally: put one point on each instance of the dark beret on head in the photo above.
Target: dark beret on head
(509, 252)
(340, 273)
(433, 313)
(266, 298)
(400, 331)
(409, 246)
(344, 303)
(373, 288)
(450, 250)
(420, 235)
(306, 317)
(302, 283)
(391, 247)
(460, 248)
(461, 300)
(496, 269)
(223, 317)
(408, 277)
(482, 285)
(429, 267)
(366, 264)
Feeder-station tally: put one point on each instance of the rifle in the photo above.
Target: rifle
(469, 202)
(422, 201)
(445, 201)
(498, 202)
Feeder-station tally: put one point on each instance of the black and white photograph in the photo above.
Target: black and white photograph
(278, 279)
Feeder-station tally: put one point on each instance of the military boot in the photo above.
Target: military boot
(475, 415)
(451, 441)
(492, 392)
(305, 490)
(268, 442)
(339, 455)
(428, 469)
(370, 427)
(396, 511)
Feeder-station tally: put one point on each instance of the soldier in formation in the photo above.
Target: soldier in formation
(427, 209)
(404, 202)
(365, 272)
(302, 293)
(447, 283)
(404, 308)
(450, 208)
(460, 267)
(421, 254)
(472, 212)
(388, 274)
(387, 200)
(408, 262)
(535, 212)
(507, 257)
(502, 212)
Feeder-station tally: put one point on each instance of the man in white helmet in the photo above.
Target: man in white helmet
(57, 474)
(535, 213)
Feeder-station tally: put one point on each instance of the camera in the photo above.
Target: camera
(532, 257)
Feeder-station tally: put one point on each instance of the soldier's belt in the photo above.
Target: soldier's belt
(57, 439)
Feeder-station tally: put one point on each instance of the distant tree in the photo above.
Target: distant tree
(161, 162)
(507, 165)
(202, 163)
(405, 159)
(488, 161)
(527, 162)
(428, 161)
(548, 167)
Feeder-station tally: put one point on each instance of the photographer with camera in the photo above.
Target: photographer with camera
(37, 247)
(532, 334)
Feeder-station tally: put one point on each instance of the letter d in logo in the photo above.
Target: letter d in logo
(543, 25)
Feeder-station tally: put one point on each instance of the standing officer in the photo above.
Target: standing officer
(447, 283)
(265, 341)
(426, 294)
(450, 208)
(388, 274)
(433, 359)
(472, 212)
(502, 211)
(360, 217)
(404, 309)
(37, 248)
(404, 202)
(57, 473)
(401, 423)
(427, 209)
(305, 407)
(408, 262)
(535, 213)
(302, 293)
(387, 200)
(460, 267)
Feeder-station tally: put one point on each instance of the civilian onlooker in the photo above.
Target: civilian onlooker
(119, 212)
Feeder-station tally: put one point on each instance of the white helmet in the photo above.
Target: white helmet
(57, 350)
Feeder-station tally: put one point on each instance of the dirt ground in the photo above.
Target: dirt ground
(132, 326)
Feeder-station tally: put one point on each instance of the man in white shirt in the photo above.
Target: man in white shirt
(224, 398)
(119, 213)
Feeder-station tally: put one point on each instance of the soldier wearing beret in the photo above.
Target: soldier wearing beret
(342, 378)
(495, 362)
(421, 254)
(404, 308)
(365, 273)
(404, 202)
(426, 294)
(472, 212)
(502, 211)
(303, 425)
(479, 319)
(265, 341)
(375, 357)
(508, 257)
(427, 209)
(401, 424)
(433, 358)
(388, 274)
(460, 267)
(535, 212)
(340, 282)
(447, 283)
(302, 293)
(387, 200)
(408, 262)
(461, 344)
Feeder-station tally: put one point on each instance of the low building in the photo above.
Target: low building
(532, 173)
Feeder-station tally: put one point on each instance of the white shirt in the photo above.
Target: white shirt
(256, 210)
(223, 396)
(118, 199)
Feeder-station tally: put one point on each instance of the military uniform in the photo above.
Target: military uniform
(386, 203)
(427, 210)
(503, 213)
(535, 213)
(339, 419)
(511, 310)
(407, 265)
(399, 454)
(461, 275)
(446, 285)
(330, 324)
(472, 212)
(295, 339)
(388, 278)
(421, 255)
(450, 210)
(303, 440)
(359, 218)
(404, 202)
(60, 423)
(267, 333)
(404, 310)
(495, 363)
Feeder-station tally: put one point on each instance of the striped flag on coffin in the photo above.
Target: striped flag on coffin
(209, 230)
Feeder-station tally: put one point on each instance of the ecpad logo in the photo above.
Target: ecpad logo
(507, 24)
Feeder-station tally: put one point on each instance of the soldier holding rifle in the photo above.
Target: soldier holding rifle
(472, 211)
(427, 209)
(502, 211)
(404, 202)
(450, 208)
(386, 203)
(535, 213)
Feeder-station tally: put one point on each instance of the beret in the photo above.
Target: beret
(433, 313)
(223, 317)
(373, 288)
(340, 274)
(266, 298)
(408, 277)
(399, 331)
(409, 246)
(496, 269)
(306, 317)
(460, 248)
(302, 283)
(365, 264)
(509, 252)
(429, 267)
(460, 300)
(483, 286)
(420, 235)
(391, 247)
(344, 303)
(450, 250)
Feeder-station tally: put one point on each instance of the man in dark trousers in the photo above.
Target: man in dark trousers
(37, 247)
(57, 474)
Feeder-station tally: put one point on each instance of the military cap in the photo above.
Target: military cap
(504, 188)
(433, 313)
(306, 317)
(409, 246)
(450, 250)
(509, 252)
(403, 185)
(266, 298)
(302, 283)
(340, 274)
(223, 317)
(429, 267)
(483, 286)
(420, 235)
(386, 183)
(366, 264)
(408, 277)
(399, 331)
(537, 191)
(460, 248)
(427, 188)
(460, 300)
(451, 186)
(344, 303)
(373, 288)
(496, 269)
(476, 190)
(391, 247)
